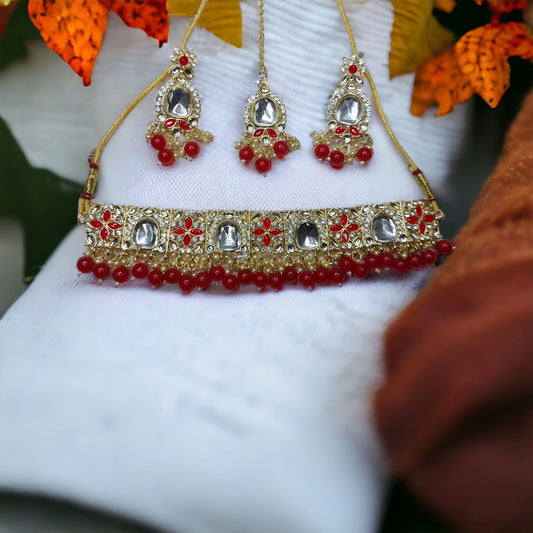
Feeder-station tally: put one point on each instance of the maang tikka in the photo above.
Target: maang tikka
(265, 119)
(174, 132)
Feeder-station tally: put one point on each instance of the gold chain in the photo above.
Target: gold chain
(262, 68)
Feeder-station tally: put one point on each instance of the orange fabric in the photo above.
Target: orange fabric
(455, 412)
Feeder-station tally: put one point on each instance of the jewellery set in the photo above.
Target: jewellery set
(196, 249)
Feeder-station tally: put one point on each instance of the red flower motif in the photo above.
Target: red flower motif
(268, 231)
(420, 219)
(188, 231)
(106, 225)
(344, 228)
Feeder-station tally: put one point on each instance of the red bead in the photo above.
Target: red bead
(401, 265)
(184, 60)
(139, 271)
(246, 154)
(121, 274)
(230, 282)
(166, 157)
(364, 154)
(85, 264)
(347, 264)
(360, 270)
(101, 270)
(281, 149)
(352, 69)
(260, 280)
(337, 276)
(322, 276)
(387, 260)
(307, 279)
(322, 151)
(429, 257)
(192, 149)
(245, 277)
(203, 280)
(156, 277)
(218, 273)
(415, 260)
(276, 281)
(336, 159)
(263, 165)
(158, 142)
(290, 275)
(444, 246)
(372, 261)
(186, 283)
(172, 275)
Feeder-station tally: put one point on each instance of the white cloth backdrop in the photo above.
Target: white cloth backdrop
(208, 413)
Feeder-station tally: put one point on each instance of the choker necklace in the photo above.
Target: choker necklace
(198, 249)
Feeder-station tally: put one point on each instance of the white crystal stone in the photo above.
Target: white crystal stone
(349, 111)
(307, 236)
(265, 112)
(384, 229)
(179, 102)
(146, 234)
(228, 237)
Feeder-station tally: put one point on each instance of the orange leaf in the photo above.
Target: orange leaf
(483, 55)
(503, 6)
(440, 81)
(150, 16)
(72, 28)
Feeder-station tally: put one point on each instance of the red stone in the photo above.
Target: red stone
(415, 260)
(321, 151)
(336, 159)
(183, 125)
(259, 132)
(340, 130)
(272, 133)
(158, 142)
(372, 261)
(444, 246)
(290, 275)
(184, 60)
(139, 271)
(360, 270)
(260, 280)
(276, 281)
(322, 276)
(429, 257)
(231, 283)
(186, 283)
(156, 278)
(218, 273)
(387, 260)
(170, 122)
(166, 157)
(85, 264)
(172, 275)
(401, 265)
(347, 264)
(352, 69)
(263, 165)
(191, 149)
(121, 274)
(245, 277)
(307, 279)
(246, 154)
(101, 270)
(337, 276)
(202, 280)
(354, 131)
(281, 148)
(364, 154)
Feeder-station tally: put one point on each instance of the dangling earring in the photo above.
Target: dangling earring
(174, 132)
(265, 118)
(346, 139)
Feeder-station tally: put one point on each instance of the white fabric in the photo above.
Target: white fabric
(208, 413)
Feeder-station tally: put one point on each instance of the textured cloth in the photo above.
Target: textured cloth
(208, 413)
(456, 411)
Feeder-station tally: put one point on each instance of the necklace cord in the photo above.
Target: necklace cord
(261, 16)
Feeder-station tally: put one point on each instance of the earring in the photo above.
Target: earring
(265, 119)
(174, 132)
